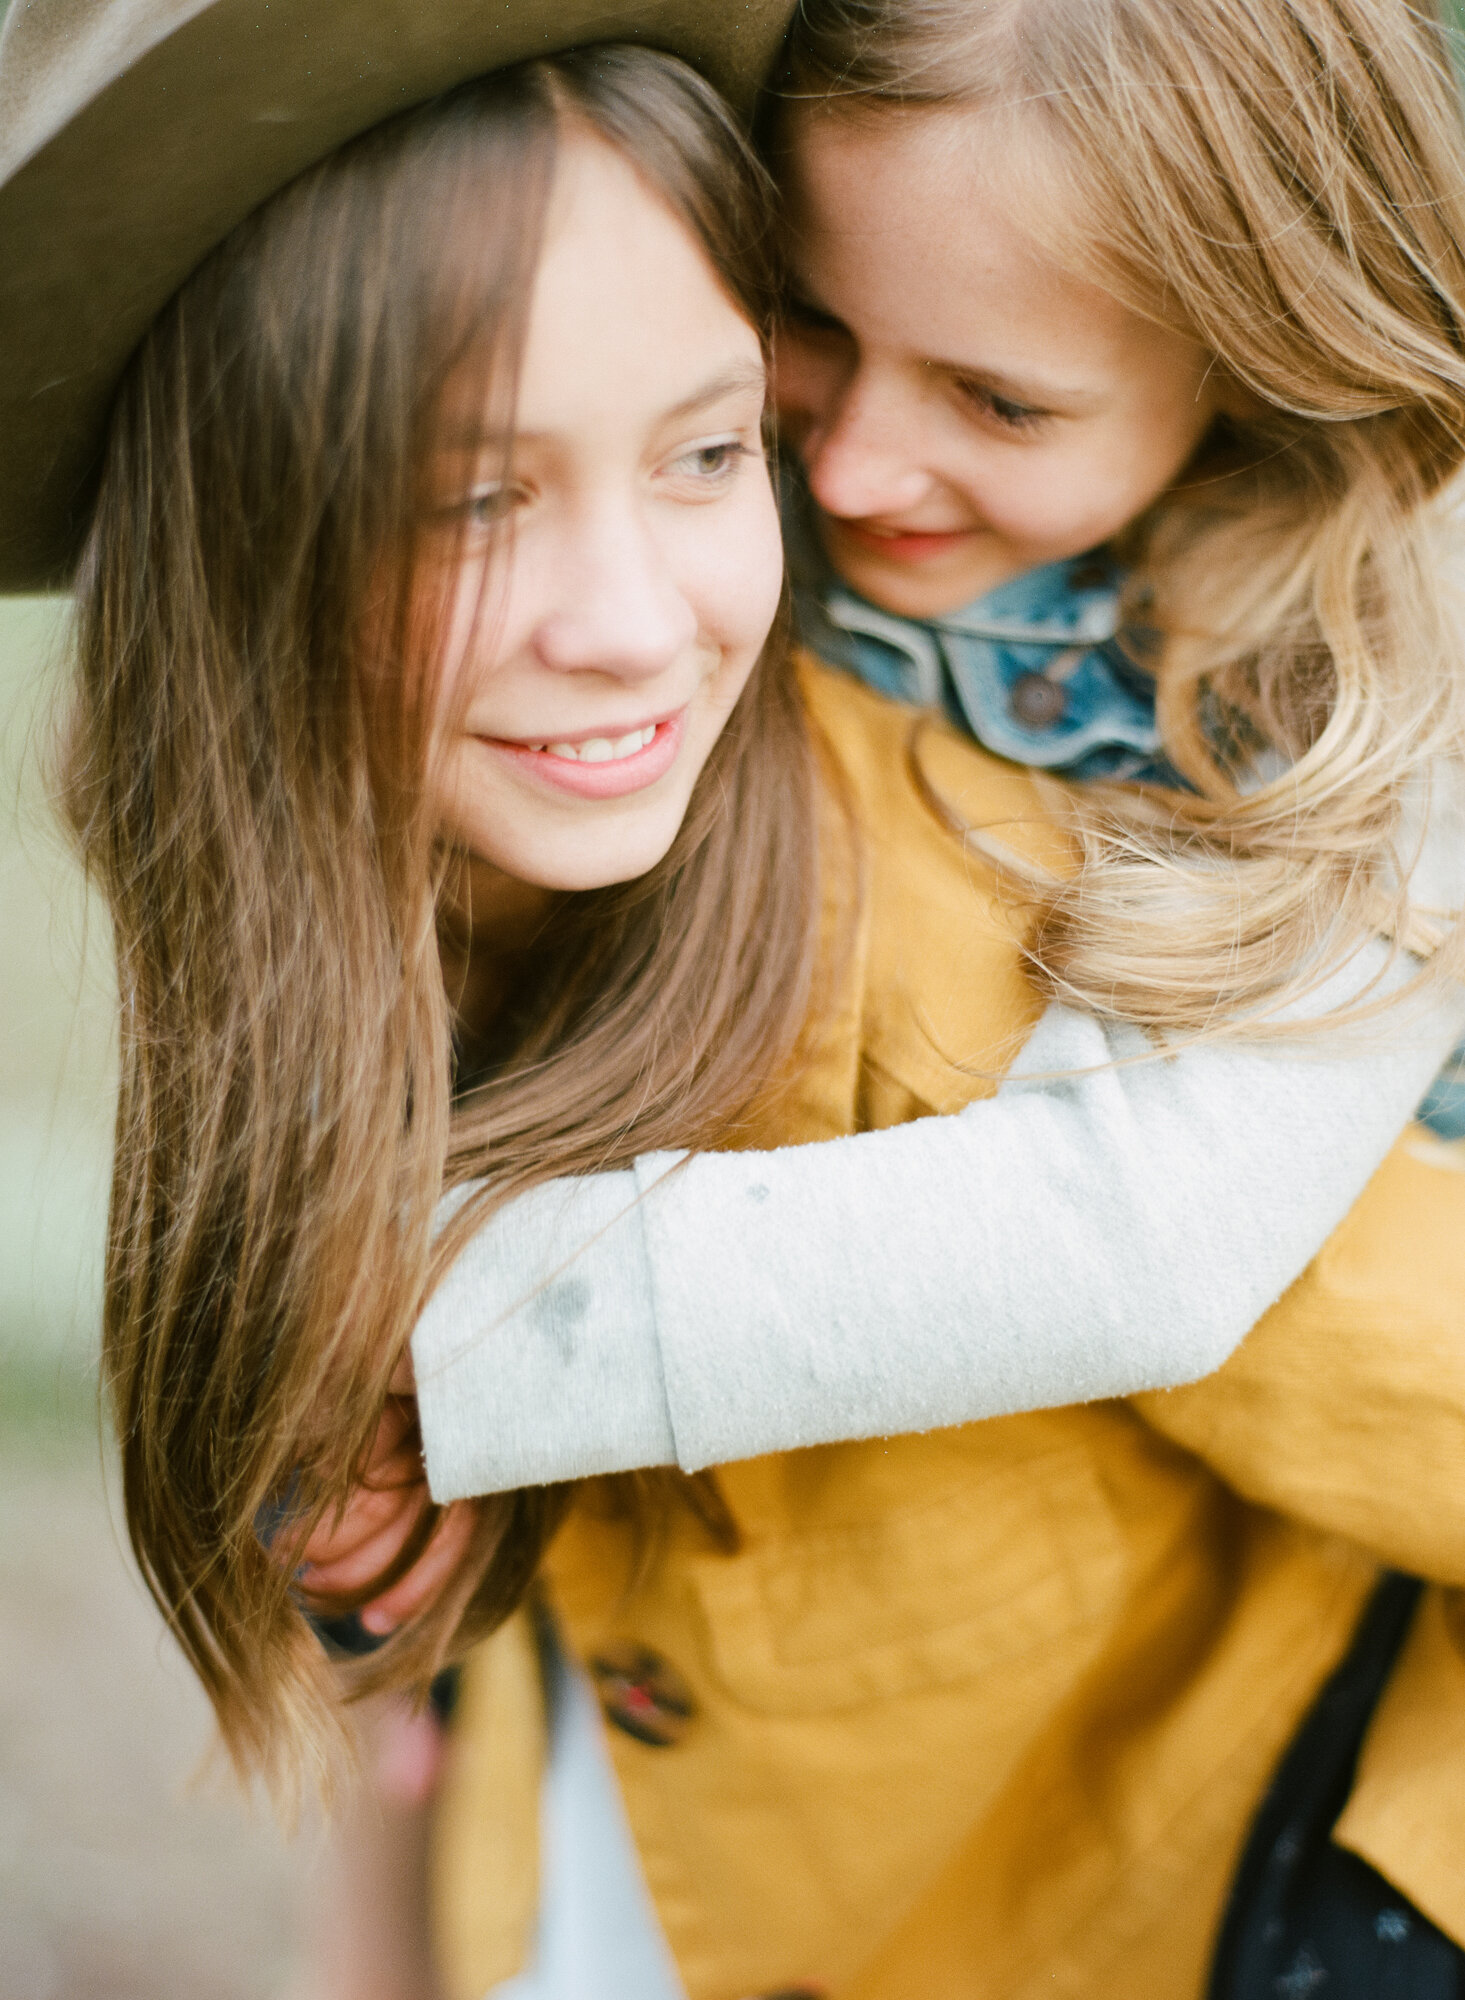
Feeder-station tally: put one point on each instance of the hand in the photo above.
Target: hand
(376, 1525)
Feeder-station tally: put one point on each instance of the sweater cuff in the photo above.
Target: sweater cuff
(537, 1356)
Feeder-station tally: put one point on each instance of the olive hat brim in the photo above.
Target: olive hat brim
(135, 134)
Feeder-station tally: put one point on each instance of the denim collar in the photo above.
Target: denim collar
(1036, 669)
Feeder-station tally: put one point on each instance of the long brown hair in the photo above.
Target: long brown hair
(253, 804)
(1283, 180)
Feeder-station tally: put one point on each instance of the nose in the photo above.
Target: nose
(618, 608)
(862, 456)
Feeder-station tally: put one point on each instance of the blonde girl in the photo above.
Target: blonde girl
(1279, 558)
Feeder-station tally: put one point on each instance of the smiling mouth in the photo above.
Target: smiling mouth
(598, 767)
(889, 540)
(598, 749)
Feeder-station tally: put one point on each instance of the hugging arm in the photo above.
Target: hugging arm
(1116, 1231)
(1345, 1407)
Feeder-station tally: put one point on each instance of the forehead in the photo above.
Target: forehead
(927, 231)
(628, 316)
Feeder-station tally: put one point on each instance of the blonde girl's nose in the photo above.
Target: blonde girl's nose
(863, 459)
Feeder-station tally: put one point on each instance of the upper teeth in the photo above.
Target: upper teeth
(601, 749)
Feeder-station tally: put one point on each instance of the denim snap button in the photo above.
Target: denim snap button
(642, 1694)
(1036, 702)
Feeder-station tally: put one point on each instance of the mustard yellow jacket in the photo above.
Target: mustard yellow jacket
(985, 1714)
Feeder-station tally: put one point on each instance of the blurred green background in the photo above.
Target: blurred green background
(56, 1053)
(121, 1877)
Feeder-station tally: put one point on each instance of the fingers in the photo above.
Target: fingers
(395, 1445)
(370, 1533)
(398, 1416)
(361, 1520)
(339, 1572)
(427, 1576)
(392, 1485)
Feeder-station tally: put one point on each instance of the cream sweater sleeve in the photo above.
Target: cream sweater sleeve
(1117, 1231)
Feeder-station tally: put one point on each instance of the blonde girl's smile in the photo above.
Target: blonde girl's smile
(610, 561)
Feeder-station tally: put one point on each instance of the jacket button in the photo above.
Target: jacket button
(641, 1694)
(1036, 701)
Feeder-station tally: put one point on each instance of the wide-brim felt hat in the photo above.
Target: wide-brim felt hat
(135, 134)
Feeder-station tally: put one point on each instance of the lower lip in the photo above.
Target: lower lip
(613, 779)
(904, 548)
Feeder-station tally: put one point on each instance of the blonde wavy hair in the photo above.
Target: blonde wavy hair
(1283, 180)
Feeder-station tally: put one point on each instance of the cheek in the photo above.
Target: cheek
(1131, 468)
(1072, 498)
(1030, 493)
(459, 613)
(732, 571)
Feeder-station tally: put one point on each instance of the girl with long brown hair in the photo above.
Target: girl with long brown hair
(433, 720)
(381, 817)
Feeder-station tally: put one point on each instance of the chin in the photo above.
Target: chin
(909, 595)
(928, 593)
(597, 864)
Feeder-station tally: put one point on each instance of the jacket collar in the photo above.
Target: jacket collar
(1036, 669)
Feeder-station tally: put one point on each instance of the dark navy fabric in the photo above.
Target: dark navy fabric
(1307, 1920)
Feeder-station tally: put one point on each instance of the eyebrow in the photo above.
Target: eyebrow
(733, 381)
(737, 380)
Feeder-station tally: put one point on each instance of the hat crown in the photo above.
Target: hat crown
(135, 134)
